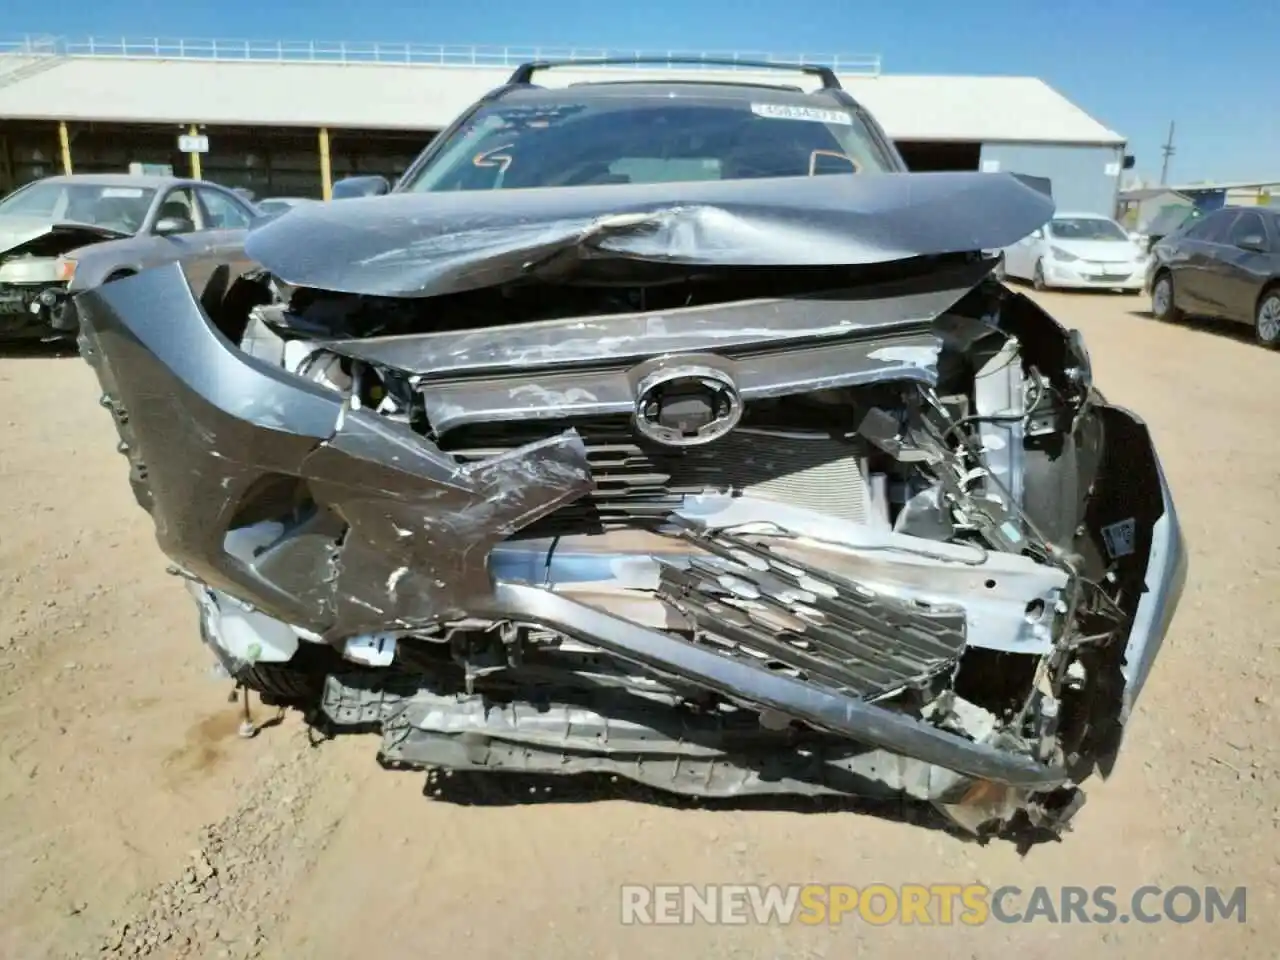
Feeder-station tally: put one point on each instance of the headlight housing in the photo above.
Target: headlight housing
(64, 269)
(1063, 255)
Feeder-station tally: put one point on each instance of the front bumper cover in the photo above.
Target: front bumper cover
(148, 338)
(1075, 277)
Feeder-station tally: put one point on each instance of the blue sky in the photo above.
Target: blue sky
(1133, 64)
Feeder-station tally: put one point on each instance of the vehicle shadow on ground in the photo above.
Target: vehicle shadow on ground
(1221, 328)
(38, 349)
(506, 788)
(493, 789)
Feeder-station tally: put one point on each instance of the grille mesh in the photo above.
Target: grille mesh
(640, 486)
(818, 473)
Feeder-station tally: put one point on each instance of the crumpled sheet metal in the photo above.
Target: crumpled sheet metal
(419, 539)
(18, 230)
(207, 426)
(995, 589)
(903, 308)
(687, 753)
(613, 390)
(427, 244)
(746, 683)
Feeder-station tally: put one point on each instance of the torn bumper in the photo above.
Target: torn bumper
(856, 719)
(1165, 576)
(387, 534)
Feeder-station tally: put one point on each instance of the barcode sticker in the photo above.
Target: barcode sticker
(1119, 538)
(787, 111)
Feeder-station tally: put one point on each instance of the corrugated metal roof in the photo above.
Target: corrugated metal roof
(424, 97)
(1210, 186)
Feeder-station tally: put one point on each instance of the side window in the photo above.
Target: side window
(1248, 225)
(1213, 228)
(223, 212)
(1272, 218)
(180, 205)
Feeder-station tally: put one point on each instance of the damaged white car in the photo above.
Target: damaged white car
(616, 439)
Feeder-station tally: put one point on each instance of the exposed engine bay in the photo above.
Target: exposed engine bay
(33, 277)
(852, 525)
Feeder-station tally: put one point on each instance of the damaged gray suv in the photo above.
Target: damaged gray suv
(667, 430)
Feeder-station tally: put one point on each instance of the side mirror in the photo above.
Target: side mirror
(351, 187)
(167, 225)
(1253, 243)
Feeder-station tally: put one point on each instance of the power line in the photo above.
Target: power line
(1168, 150)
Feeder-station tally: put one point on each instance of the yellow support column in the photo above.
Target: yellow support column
(326, 175)
(195, 157)
(64, 141)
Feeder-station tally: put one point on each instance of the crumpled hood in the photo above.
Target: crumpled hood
(427, 244)
(17, 230)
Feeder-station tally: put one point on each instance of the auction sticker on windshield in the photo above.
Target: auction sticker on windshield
(787, 111)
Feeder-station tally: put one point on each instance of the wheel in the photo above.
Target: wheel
(282, 684)
(1037, 277)
(1162, 306)
(297, 683)
(1266, 320)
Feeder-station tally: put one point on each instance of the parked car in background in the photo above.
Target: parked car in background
(1225, 265)
(1078, 251)
(129, 222)
(274, 206)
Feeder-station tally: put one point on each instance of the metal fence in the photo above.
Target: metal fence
(439, 55)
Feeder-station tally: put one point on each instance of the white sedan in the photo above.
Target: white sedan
(1080, 251)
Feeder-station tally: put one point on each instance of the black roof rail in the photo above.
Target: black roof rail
(685, 81)
(523, 74)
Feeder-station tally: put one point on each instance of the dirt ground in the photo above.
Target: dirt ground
(133, 820)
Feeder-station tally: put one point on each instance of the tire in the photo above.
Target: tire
(281, 684)
(1266, 318)
(299, 682)
(1037, 277)
(1162, 305)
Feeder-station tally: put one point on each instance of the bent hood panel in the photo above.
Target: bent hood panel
(905, 307)
(420, 245)
(18, 231)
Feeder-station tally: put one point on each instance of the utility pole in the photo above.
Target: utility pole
(1168, 151)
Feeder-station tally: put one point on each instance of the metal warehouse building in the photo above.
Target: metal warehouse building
(289, 118)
